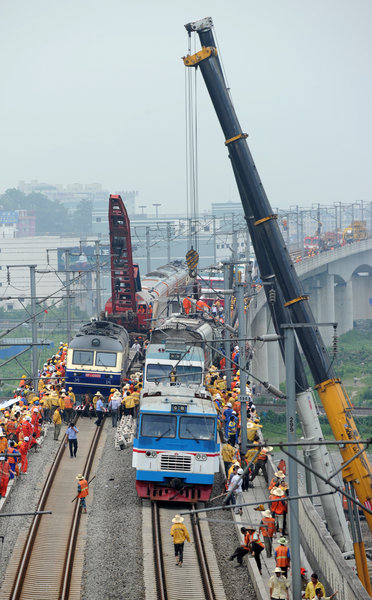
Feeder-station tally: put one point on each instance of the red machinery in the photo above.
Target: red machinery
(125, 278)
(132, 304)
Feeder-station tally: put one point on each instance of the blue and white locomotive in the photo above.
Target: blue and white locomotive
(176, 452)
(97, 358)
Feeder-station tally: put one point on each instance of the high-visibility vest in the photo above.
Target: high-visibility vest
(232, 427)
(282, 559)
(268, 526)
(83, 488)
(68, 402)
(262, 456)
(247, 541)
(12, 459)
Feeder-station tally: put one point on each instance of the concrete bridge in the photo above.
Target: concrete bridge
(339, 286)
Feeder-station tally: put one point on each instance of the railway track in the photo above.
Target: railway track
(44, 565)
(199, 574)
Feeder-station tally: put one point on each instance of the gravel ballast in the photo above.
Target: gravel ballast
(113, 565)
(237, 582)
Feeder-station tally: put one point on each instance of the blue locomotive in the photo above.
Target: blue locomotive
(176, 452)
(97, 358)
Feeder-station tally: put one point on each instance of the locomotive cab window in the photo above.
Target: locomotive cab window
(189, 374)
(157, 371)
(197, 428)
(159, 426)
(82, 358)
(184, 374)
(106, 359)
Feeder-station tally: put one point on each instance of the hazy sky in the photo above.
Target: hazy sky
(93, 91)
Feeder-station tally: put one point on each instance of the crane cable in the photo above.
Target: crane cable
(191, 152)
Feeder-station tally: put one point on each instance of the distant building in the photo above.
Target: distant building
(17, 223)
(220, 209)
(71, 194)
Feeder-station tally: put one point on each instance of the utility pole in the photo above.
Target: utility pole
(148, 258)
(248, 265)
(226, 299)
(98, 279)
(35, 367)
(169, 242)
(214, 241)
(302, 233)
(34, 358)
(68, 295)
(242, 359)
(235, 246)
(289, 350)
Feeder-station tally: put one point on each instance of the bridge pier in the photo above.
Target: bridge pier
(344, 306)
(260, 357)
(362, 293)
(274, 357)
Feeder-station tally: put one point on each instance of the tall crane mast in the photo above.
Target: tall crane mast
(258, 213)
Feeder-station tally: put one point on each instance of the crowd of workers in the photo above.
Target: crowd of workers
(241, 471)
(22, 420)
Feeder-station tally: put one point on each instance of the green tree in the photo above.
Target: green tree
(81, 219)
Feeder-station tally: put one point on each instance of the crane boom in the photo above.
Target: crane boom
(256, 207)
(125, 280)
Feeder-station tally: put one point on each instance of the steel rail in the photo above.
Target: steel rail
(17, 588)
(203, 562)
(158, 558)
(18, 583)
(70, 552)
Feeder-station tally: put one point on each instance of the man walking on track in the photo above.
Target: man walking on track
(180, 534)
(57, 420)
(83, 492)
(99, 411)
(71, 436)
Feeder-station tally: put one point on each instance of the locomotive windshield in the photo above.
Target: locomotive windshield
(159, 426)
(106, 359)
(82, 357)
(184, 374)
(197, 428)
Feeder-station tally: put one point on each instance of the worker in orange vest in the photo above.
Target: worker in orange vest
(244, 549)
(83, 491)
(200, 306)
(267, 528)
(283, 556)
(68, 409)
(12, 460)
(278, 508)
(187, 305)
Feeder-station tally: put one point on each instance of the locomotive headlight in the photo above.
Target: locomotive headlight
(150, 453)
(200, 456)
